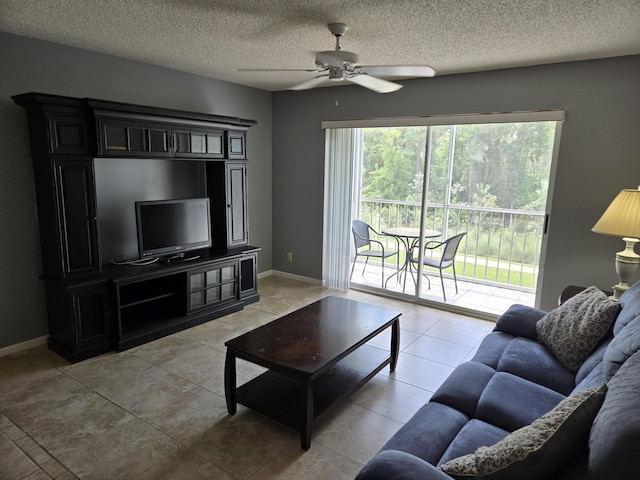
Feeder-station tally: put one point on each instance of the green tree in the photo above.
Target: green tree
(392, 159)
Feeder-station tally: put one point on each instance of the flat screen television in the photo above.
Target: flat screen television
(172, 227)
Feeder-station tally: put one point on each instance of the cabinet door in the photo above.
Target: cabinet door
(236, 148)
(248, 276)
(80, 319)
(76, 218)
(237, 226)
(198, 143)
(69, 134)
(126, 138)
(92, 316)
(213, 286)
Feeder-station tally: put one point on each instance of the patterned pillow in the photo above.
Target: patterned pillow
(537, 450)
(574, 329)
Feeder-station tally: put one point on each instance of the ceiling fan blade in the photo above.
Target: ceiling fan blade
(399, 70)
(279, 70)
(373, 83)
(307, 84)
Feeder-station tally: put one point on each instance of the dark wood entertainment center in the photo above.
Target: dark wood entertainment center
(93, 305)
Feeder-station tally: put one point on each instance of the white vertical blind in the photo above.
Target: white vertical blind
(343, 149)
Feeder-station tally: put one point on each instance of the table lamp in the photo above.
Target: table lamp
(622, 219)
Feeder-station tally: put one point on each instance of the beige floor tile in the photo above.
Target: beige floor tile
(121, 452)
(184, 464)
(83, 417)
(162, 350)
(14, 463)
(418, 322)
(114, 372)
(241, 444)
(383, 339)
(40, 409)
(438, 350)
(277, 306)
(179, 409)
(158, 411)
(393, 399)
(355, 431)
(420, 372)
(217, 332)
(462, 335)
(318, 463)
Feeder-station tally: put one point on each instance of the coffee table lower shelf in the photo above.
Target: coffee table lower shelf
(283, 398)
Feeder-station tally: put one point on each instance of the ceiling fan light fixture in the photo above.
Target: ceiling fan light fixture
(336, 74)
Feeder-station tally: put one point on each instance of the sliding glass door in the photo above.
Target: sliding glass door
(489, 180)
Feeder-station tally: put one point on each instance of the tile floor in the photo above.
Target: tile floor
(158, 411)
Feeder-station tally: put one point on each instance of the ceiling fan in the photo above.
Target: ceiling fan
(342, 65)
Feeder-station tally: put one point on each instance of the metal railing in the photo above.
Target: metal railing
(502, 246)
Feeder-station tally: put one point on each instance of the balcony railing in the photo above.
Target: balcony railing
(502, 246)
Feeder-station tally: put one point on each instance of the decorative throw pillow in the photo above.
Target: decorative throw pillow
(537, 450)
(574, 329)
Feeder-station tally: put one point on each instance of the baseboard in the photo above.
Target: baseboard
(18, 347)
(264, 274)
(291, 276)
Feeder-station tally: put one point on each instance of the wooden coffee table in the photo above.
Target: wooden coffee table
(315, 356)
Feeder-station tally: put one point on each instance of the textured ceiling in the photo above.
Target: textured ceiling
(217, 37)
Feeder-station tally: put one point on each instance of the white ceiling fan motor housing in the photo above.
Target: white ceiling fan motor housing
(336, 59)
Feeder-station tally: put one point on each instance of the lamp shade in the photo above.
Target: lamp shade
(622, 218)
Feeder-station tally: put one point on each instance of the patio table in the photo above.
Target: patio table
(409, 237)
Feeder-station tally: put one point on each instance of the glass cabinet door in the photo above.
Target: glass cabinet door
(213, 285)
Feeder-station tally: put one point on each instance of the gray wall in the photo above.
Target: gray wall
(32, 65)
(599, 155)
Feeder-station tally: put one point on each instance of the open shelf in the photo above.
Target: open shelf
(281, 397)
(151, 290)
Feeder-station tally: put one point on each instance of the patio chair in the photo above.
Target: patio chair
(362, 238)
(449, 248)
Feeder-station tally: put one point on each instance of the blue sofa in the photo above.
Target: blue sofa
(514, 379)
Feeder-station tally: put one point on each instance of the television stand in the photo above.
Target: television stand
(156, 300)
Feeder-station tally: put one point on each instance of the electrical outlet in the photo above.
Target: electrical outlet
(289, 257)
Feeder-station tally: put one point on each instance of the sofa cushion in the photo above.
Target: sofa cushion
(520, 321)
(596, 377)
(473, 435)
(539, 449)
(593, 360)
(429, 432)
(399, 465)
(624, 344)
(630, 303)
(463, 388)
(533, 361)
(574, 329)
(492, 347)
(615, 436)
(511, 402)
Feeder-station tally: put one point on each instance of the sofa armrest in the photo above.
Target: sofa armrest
(520, 321)
(397, 465)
